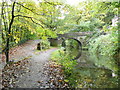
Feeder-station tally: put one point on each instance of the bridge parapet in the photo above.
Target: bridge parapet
(75, 34)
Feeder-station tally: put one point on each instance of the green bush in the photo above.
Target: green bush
(63, 59)
(45, 44)
(105, 44)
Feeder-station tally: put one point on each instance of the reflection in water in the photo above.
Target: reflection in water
(73, 48)
(94, 72)
(105, 61)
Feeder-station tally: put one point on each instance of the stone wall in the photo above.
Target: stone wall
(55, 42)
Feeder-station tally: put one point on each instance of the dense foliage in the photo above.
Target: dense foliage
(101, 18)
(105, 44)
(23, 20)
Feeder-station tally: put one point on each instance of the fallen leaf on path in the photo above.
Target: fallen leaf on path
(39, 81)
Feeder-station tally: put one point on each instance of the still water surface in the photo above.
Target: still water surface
(94, 71)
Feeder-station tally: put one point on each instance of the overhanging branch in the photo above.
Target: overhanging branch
(28, 8)
(53, 3)
(31, 19)
(36, 23)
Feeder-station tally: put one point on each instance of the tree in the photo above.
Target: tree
(8, 19)
(21, 19)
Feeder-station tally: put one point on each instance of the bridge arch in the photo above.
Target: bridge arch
(80, 46)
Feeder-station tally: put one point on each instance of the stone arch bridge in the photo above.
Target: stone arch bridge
(80, 36)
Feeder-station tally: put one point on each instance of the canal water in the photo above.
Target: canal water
(94, 71)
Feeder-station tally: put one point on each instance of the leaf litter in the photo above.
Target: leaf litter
(54, 77)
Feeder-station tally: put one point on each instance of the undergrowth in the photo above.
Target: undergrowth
(68, 65)
(105, 44)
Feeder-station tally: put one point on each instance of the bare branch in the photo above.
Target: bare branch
(52, 3)
(37, 23)
(31, 19)
(22, 16)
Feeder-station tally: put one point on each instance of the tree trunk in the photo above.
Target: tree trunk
(8, 36)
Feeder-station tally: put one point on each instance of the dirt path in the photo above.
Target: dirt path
(19, 52)
(35, 74)
(36, 77)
